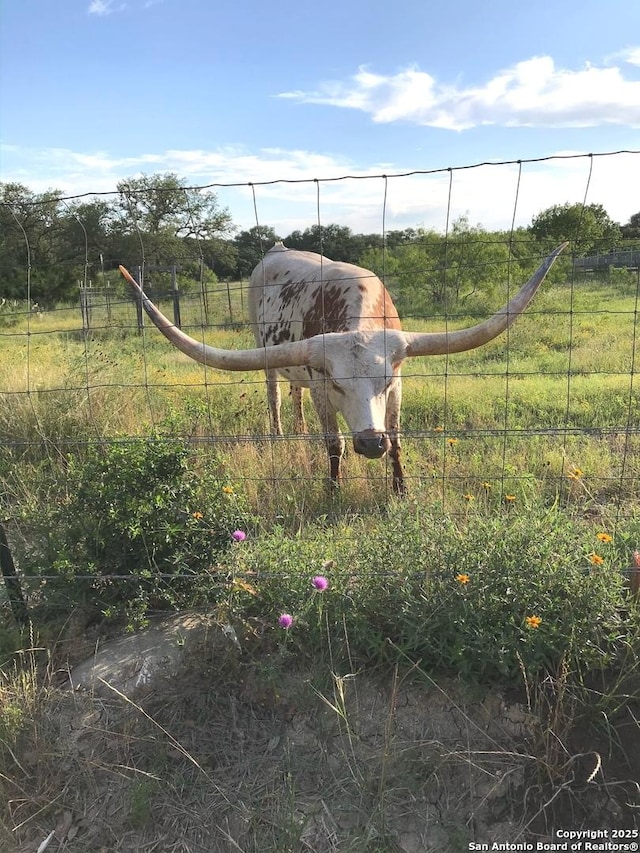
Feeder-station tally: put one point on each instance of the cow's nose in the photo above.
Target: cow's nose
(371, 444)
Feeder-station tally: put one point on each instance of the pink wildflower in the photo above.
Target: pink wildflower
(285, 621)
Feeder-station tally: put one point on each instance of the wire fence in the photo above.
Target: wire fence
(550, 411)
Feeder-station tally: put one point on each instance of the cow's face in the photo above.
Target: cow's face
(361, 379)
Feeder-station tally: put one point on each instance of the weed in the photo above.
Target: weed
(131, 528)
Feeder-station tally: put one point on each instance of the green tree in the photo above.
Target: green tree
(221, 256)
(444, 273)
(475, 262)
(167, 222)
(588, 227)
(32, 249)
(251, 246)
(399, 238)
(427, 272)
(631, 231)
(86, 237)
(335, 241)
(383, 262)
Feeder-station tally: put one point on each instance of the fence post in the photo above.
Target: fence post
(204, 293)
(85, 307)
(12, 582)
(176, 297)
(107, 301)
(229, 302)
(139, 311)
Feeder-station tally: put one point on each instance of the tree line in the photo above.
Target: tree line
(54, 243)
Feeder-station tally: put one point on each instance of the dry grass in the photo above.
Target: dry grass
(240, 754)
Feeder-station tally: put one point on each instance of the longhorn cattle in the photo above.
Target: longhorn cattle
(333, 328)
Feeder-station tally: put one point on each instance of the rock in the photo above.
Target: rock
(134, 665)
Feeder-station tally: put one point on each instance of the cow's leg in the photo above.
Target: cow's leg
(273, 396)
(333, 438)
(299, 423)
(394, 401)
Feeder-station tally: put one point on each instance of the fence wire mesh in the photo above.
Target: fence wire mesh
(548, 412)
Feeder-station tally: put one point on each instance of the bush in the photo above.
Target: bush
(134, 528)
(486, 598)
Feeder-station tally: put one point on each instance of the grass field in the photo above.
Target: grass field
(509, 570)
(556, 395)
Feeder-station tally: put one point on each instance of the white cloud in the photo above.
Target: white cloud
(487, 194)
(532, 93)
(630, 55)
(101, 7)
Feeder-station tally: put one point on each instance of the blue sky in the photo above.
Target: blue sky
(93, 91)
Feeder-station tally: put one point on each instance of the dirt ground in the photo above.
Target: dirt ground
(222, 748)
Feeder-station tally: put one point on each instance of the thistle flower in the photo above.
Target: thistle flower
(320, 583)
(532, 621)
(238, 535)
(285, 621)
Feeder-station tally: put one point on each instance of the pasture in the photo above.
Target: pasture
(506, 576)
(555, 394)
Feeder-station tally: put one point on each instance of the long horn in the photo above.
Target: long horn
(441, 343)
(281, 355)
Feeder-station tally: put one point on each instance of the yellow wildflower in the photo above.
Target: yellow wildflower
(510, 498)
(197, 515)
(575, 474)
(438, 429)
(532, 621)
(452, 441)
(462, 578)
(468, 497)
(596, 559)
(604, 537)
(228, 490)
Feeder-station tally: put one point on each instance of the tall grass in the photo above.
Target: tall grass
(557, 393)
(511, 562)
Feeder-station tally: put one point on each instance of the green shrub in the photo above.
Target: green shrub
(486, 597)
(134, 528)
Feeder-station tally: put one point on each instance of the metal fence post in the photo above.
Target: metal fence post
(176, 297)
(139, 311)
